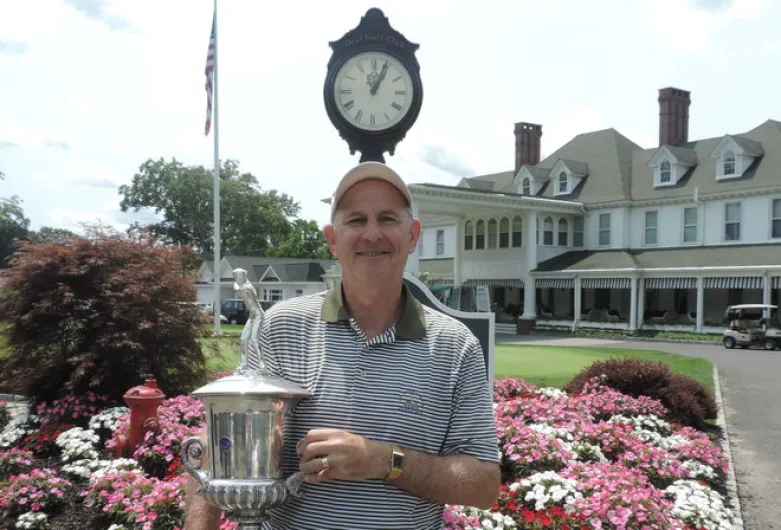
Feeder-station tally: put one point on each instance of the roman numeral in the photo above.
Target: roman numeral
(374, 63)
(346, 91)
(349, 104)
(401, 92)
(386, 116)
(371, 120)
(396, 79)
(396, 106)
(350, 78)
(360, 67)
(358, 116)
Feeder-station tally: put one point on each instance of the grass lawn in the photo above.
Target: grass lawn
(555, 366)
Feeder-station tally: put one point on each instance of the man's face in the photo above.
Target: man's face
(372, 233)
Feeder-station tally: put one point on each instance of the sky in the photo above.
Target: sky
(90, 89)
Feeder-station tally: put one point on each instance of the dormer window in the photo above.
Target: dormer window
(566, 175)
(734, 156)
(526, 187)
(670, 163)
(729, 163)
(562, 182)
(665, 172)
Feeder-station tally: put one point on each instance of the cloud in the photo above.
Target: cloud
(5, 144)
(12, 47)
(95, 177)
(96, 10)
(56, 144)
(712, 6)
(444, 160)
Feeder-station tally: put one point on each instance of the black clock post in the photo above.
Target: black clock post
(372, 91)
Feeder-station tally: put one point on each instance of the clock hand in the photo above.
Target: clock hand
(379, 78)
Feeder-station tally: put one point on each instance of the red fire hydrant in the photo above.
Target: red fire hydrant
(143, 402)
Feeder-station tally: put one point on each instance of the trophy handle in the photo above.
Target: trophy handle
(192, 448)
(293, 484)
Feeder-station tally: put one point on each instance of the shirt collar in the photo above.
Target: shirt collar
(411, 325)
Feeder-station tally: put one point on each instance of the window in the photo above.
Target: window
(504, 233)
(562, 182)
(547, 231)
(492, 236)
(563, 232)
(526, 186)
(604, 229)
(651, 228)
(468, 235)
(690, 225)
(440, 242)
(729, 163)
(420, 244)
(776, 222)
(665, 172)
(480, 234)
(517, 231)
(272, 295)
(299, 292)
(732, 221)
(577, 231)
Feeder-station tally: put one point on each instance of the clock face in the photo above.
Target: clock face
(373, 91)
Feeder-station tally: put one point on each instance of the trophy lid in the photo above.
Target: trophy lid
(251, 384)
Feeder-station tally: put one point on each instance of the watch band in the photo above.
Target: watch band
(397, 463)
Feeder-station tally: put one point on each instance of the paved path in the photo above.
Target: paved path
(751, 390)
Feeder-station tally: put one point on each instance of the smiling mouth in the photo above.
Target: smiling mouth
(372, 254)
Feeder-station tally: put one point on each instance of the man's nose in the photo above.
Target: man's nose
(372, 231)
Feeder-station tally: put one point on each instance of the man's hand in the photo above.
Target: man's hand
(348, 456)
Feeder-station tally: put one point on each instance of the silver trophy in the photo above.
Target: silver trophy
(245, 414)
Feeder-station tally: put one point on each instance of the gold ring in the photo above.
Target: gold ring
(324, 462)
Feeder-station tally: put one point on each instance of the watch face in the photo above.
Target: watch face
(373, 91)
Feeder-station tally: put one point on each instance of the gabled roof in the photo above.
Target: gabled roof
(680, 154)
(578, 168)
(287, 269)
(536, 173)
(764, 172)
(494, 182)
(749, 147)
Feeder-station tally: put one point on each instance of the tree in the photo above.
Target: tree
(306, 240)
(100, 314)
(52, 235)
(252, 221)
(13, 225)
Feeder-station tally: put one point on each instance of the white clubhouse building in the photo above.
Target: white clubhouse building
(604, 233)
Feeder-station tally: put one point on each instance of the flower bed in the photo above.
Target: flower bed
(597, 460)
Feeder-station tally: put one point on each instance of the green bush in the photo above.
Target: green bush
(100, 314)
(688, 402)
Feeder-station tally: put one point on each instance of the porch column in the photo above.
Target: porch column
(530, 253)
(458, 252)
(640, 303)
(413, 260)
(578, 304)
(700, 304)
(767, 290)
(633, 304)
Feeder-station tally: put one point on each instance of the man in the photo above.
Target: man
(400, 419)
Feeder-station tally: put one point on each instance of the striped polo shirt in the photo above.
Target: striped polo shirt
(421, 385)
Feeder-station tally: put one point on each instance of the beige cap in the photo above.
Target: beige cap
(369, 170)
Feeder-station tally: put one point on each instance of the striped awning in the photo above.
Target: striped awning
(776, 282)
(506, 282)
(555, 283)
(671, 283)
(735, 282)
(605, 283)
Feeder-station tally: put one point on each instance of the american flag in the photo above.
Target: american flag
(209, 71)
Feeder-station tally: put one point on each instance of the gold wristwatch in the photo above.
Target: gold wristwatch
(397, 463)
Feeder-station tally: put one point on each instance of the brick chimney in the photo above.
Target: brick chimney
(527, 144)
(674, 116)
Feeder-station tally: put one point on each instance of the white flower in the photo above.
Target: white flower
(551, 392)
(32, 521)
(78, 444)
(698, 470)
(586, 452)
(547, 489)
(108, 419)
(94, 469)
(560, 433)
(699, 506)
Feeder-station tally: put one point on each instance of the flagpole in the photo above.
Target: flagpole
(217, 307)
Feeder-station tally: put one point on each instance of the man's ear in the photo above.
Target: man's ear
(414, 234)
(330, 238)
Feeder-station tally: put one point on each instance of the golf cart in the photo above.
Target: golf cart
(748, 326)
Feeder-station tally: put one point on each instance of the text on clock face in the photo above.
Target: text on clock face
(373, 91)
